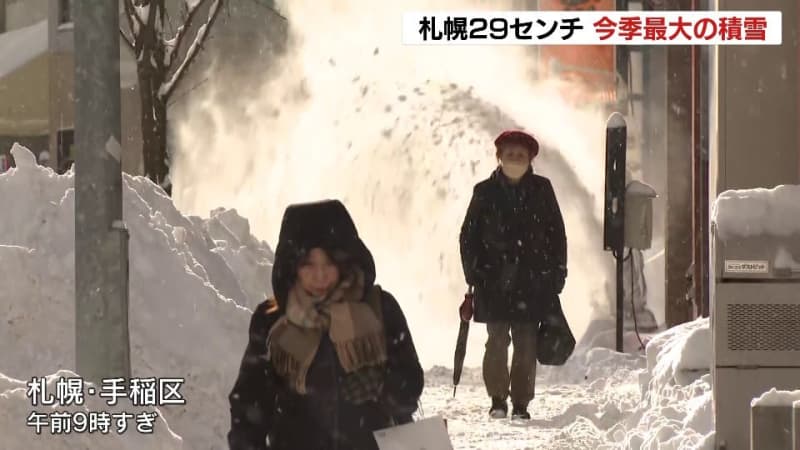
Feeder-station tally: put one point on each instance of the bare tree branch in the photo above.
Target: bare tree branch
(169, 21)
(191, 11)
(151, 13)
(169, 85)
(134, 14)
(127, 39)
(135, 27)
(128, 13)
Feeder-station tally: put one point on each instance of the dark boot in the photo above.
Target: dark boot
(499, 408)
(520, 412)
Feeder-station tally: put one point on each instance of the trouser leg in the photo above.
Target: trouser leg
(495, 360)
(523, 362)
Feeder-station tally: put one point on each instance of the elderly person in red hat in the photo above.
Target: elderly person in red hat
(514, 255)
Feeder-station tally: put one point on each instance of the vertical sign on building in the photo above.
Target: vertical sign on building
(591, 66)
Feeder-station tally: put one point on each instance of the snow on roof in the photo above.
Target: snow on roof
(19, 47)
(751, 212)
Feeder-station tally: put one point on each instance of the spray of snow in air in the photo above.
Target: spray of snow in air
(400, 134)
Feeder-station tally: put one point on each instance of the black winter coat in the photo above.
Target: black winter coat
(514, 248)
(264, 408)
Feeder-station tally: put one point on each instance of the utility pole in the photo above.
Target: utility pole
(679, 248)
(102, 346)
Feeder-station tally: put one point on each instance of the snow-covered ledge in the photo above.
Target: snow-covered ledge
(796, 422)
(752, 212)
(772, 419)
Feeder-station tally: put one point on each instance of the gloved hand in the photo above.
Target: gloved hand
(467, 306)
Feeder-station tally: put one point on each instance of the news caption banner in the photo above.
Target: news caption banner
(592, 28)
(71, 392)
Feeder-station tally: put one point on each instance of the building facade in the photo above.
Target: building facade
(37, 72)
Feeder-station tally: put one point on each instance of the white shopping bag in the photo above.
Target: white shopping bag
(425, 434)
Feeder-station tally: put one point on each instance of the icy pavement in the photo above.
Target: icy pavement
(576, 414)
(562, 417)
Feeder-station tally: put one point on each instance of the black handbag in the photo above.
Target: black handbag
(555, 342)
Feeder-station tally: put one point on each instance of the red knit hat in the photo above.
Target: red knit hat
(517, 137)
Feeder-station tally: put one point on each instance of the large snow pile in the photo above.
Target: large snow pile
(675, 412)
(188, 292)
(749, 212)
(672, 408)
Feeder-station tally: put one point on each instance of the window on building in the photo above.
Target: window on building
(65, 142)
(64, 11)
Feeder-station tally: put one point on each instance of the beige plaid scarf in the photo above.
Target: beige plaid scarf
(354, 328)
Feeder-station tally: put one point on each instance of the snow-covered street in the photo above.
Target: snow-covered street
(594, 402)
(190, 305)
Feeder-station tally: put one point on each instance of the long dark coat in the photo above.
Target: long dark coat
(264, 407)
(514, 248)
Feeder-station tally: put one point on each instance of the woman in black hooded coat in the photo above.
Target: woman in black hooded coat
(345, 384)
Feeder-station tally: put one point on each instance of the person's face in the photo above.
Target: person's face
(317, 274)
(514, 154)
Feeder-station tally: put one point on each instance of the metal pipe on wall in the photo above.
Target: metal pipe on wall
(705, 179)
(679, 232)
(698, 227)
(622, 62)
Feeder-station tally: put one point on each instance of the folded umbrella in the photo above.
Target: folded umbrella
(465, 313)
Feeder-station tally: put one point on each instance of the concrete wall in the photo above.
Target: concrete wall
(23, 13)
(24, 99)
(62, 112)
(62, 108)
(757, 108)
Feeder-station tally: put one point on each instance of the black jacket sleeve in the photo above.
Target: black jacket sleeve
(470, 240)
(252, 399)
(557, 233)
(404, 380)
